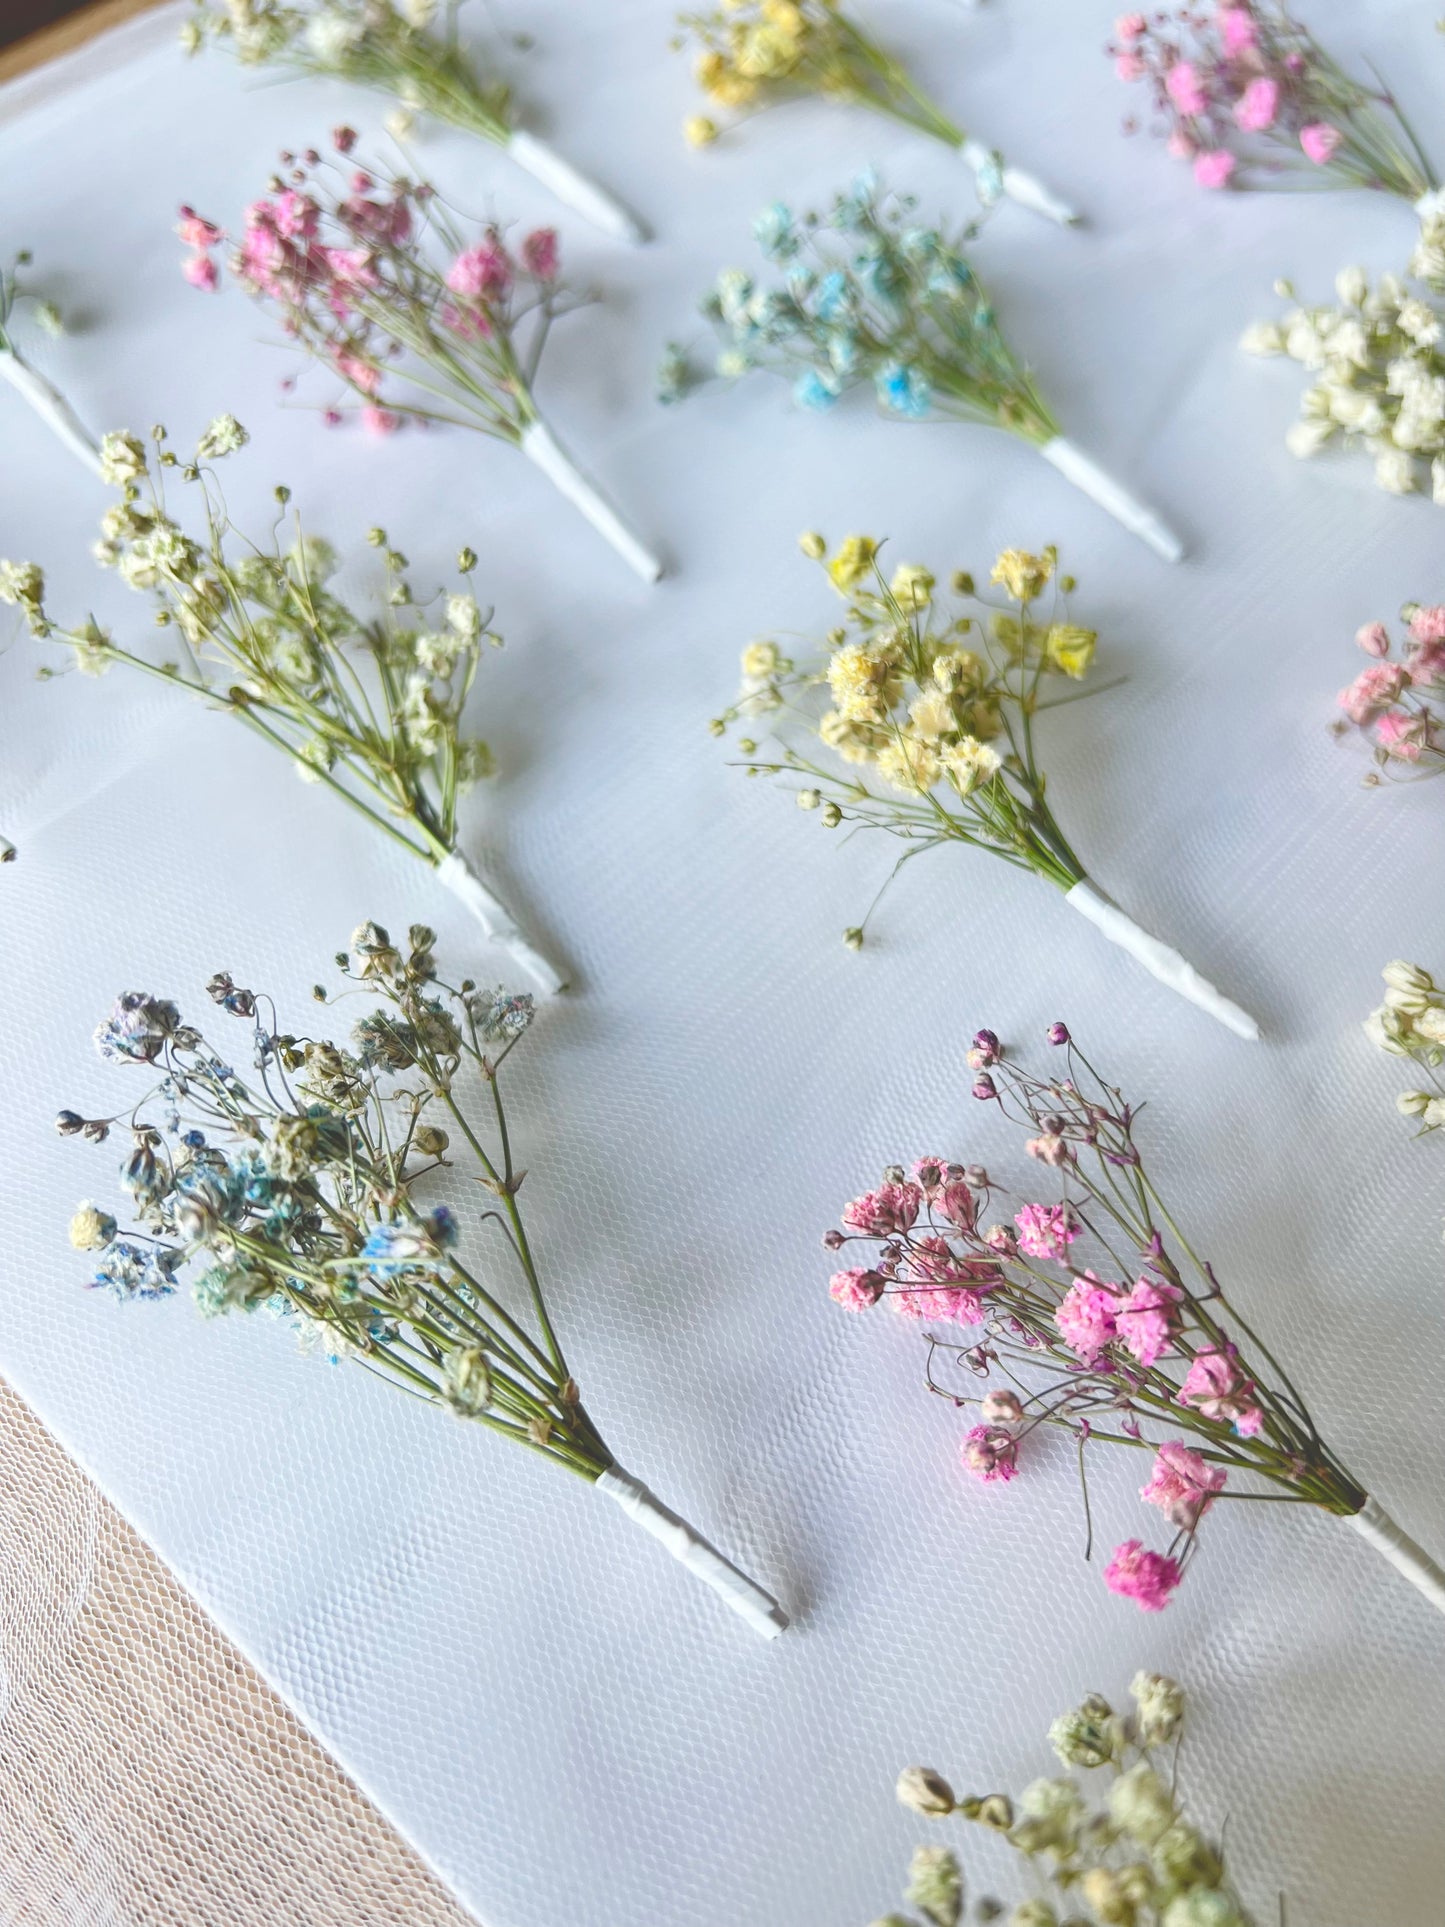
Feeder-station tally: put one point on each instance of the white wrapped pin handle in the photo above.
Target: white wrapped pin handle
(541, 446)
(1159, 959)
(1023, 188)
(1116, 500)
(52, 408)
(1378, 1529)
(758, 1608)
(497, 920)
(573, 188)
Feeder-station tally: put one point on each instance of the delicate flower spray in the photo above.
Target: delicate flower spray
(309, 1190)
(1246, 95)
(869, 298)
(1411, 1024)
(395, 47)
(1135, 1859)
(1070, 1342)
(933, 712)
(752, 53)
(1378, 367)
(1398, 703)
(371, 708)
(43, 396)
(412, 318)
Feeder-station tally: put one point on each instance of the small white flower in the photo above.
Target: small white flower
(1307, 438)
(1352, 285)
(122, 459)
(1263, 338)
(1395, 472)
(464, 618)
(224, 436)
(330, 37)
(1420, 322)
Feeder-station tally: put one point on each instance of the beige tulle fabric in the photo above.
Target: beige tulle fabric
(148, 1776)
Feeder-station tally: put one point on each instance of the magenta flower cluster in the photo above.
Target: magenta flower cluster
(340, 253)
(1399, 700)
(1103, 1357)
(1241, 89)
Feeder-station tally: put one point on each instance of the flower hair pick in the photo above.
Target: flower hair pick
(1399, 702)
(1133, 1859)
(372, 709)
(310, 1191)
(391, 47)
(1411, 1024)
(935, 712)
(43, 396)
(1165, 1364)
(414, 319)
(1249, 98)
(868, 297)
(755, 52)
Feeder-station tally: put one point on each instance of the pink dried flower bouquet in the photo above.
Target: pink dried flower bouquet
(415, 319)
(1398, 703)
(1246, 95)
(1093, 1314)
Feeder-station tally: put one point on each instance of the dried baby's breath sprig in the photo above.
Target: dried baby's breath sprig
(1132, 1859)
(400, 48)
(1410, 1023)
(752, 53)
(43, 396)
(310, 1189)
(1398, 703)
(1379, 372)
(868, 297)
(1249, 98)
(369, 707)
(1070, 1343)
(931, 712)
(414, 316)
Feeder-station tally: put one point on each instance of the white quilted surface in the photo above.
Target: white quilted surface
(567, 1726)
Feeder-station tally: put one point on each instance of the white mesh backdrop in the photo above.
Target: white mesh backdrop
(564, 1723)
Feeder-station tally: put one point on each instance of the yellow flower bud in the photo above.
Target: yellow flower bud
(700, 131)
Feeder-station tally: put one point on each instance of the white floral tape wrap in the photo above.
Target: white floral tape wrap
(1021, 187)
(574, 189)
(758, 1608)
(498, 922)
(1116, 500)
(52, 408)
(1375, 1525)
(541, 446)
(1159, 959)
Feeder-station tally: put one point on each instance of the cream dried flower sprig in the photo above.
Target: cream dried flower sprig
(1132, 1859)
(753, 53)
(314, 1189)
(867, 296)
(1379, 373)
(1410, 1023)
(42, 395)
(930, 728)
(401, 48)
(1095, 1314)
(415, 317)
(371, 707)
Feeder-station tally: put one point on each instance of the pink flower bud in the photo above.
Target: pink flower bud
(1374, 639)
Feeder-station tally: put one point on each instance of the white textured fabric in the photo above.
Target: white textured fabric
(566, 1723)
